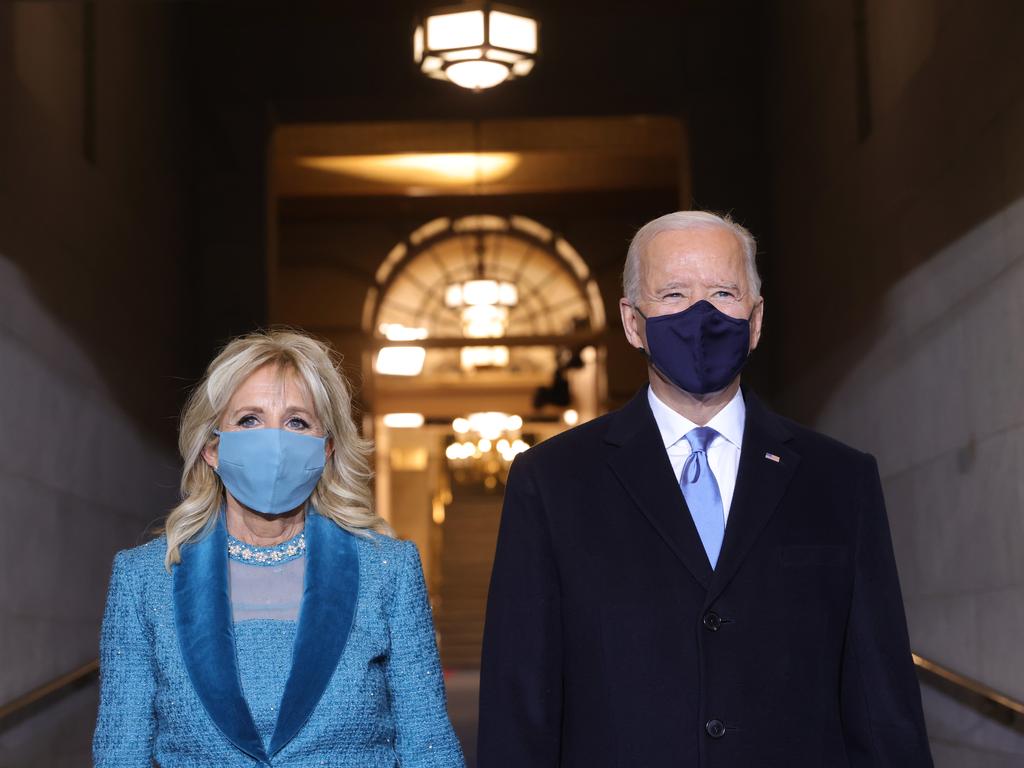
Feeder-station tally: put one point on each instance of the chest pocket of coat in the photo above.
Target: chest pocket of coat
(802, 556)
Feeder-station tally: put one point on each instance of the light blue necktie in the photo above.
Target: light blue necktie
(700, 489)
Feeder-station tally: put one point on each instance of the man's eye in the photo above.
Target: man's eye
(296, 423)
(724, 295)
(673, 295)
(248, 421)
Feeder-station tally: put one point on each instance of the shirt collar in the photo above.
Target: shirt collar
(728, 422)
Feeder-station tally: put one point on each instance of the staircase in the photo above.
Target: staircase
(467, 554)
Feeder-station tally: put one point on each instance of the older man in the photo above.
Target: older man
(694, 580)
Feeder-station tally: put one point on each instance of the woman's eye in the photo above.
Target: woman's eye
(248, 421)
(296, 423)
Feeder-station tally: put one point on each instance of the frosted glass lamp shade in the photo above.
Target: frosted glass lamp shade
(477, 75)
(517, 33)
(476, 45)
(455, 30)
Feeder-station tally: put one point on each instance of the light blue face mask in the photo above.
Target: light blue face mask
(272, 471)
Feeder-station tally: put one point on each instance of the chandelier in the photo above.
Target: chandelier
(483, 304)
(485, 446)
(476, 45)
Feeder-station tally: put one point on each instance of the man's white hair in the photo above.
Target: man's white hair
(680, 221)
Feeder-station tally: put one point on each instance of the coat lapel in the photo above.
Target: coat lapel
(642, 465)
(325, 620)
(760, 485)
(202, 615)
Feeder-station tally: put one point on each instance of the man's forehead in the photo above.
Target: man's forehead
(700, 252)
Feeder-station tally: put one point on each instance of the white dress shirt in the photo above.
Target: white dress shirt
(724, 451)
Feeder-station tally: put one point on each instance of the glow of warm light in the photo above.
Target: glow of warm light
(455, 30)
(460, 425)
(509, 451)
(409, 459)
(522, 68)
(491, 424)
(483, 444)
(571, 417)
(403, 420)
(478, 292)
(465, 54)
(437, 511)
(461, 451)
(508, 294)
(483, 357)
(477, 75)
(417, 45)
(475, 52)
(422, 169)
(484, 321)
(511, 31)
(453, 295)
(399, 332)
(400, 361)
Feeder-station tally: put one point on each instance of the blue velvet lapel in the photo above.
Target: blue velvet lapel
(202, 614)
(325, 619)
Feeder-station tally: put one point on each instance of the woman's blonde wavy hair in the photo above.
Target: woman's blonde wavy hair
(343, 493)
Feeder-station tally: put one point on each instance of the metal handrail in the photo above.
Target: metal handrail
(65, 682)
(976, 695)
(979, 696)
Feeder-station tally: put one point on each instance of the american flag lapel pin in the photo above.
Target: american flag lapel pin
(772, 457)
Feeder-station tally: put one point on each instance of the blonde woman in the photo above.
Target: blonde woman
(274, 622)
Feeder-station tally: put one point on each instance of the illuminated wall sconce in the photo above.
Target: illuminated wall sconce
(476, 45)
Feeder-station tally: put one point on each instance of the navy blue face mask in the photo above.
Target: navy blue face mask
(272, 471)
(700, 349)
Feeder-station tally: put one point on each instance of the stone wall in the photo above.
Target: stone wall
(898, 254)
(93, 243)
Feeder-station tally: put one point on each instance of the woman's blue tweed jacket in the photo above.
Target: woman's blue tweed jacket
(361, 689)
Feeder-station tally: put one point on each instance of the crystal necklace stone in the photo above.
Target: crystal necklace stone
(280, 553)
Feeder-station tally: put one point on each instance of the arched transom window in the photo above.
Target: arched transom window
(489, 292)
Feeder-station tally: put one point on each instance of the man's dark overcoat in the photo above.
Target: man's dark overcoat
(610, 641)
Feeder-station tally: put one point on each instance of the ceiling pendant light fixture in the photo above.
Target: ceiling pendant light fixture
(476, 45)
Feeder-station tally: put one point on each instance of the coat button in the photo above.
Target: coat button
(715, 729)
(712, 621)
